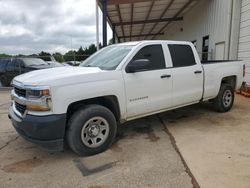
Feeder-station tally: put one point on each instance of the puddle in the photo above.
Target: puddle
(25, 166)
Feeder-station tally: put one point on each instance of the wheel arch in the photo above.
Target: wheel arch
(110, 101)
(231, 80)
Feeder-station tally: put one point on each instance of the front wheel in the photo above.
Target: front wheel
(91, 130)
(225, 99)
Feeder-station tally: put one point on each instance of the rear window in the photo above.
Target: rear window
(182, 55)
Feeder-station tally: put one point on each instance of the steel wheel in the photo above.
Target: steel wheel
(95, 132)
(227, 98)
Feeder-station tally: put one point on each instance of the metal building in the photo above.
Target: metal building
(220, 29)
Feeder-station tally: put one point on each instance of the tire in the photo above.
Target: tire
(4, 81)
(91, 130)
(225, 99)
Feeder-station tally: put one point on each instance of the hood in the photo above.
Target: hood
(56, 75)
(37, 67)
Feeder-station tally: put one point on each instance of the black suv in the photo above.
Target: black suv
(11, 67)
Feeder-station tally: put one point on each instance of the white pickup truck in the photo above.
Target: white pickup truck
(84, 105)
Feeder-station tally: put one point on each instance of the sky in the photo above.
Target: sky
(32, 26)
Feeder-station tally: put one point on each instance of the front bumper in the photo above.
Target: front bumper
(46, 131)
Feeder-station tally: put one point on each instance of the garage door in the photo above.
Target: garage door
(244, 40)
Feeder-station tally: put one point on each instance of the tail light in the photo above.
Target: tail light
(244, 70)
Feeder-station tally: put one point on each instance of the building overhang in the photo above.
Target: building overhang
(143, 19)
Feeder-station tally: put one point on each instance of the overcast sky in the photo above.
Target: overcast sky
(30, 26)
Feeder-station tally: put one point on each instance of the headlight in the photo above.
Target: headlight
(30, 94)
(39, 100)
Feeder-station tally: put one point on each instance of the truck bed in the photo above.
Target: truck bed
(214, 71)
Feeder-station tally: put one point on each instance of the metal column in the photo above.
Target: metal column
(97, 25)
(104, 22)
(113, 39)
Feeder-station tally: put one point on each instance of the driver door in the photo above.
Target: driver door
(149, 90)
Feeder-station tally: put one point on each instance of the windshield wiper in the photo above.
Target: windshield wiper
(89, 66)
(37, 64)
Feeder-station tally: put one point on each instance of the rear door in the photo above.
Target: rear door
(150, 90)
(187, 75)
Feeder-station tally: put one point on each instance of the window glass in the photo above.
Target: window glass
(205, 47)
(3, 62)
(154, 54)
(182, 55)
(108, 58)
(11, 65)
(33, 61)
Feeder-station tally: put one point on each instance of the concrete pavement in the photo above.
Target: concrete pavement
(143, 156)
(189, 147)
(215, 146)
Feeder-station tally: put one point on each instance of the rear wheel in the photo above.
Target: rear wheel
(225, 99)
(91, 130)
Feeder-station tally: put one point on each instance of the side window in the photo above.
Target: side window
(10, 65)
(205, 47)
(3, 63)
(154, 54)
(182, 55)
(18, 63)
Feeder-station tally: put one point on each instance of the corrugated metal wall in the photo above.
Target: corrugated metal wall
(208, 17)
(244, 38)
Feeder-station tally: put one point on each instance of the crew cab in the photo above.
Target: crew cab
(84, 105)
(11, 67)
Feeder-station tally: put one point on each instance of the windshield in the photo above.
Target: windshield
(33, 62)
(108, 58)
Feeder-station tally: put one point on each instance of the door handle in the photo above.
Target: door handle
(197, 72)
(165, 76)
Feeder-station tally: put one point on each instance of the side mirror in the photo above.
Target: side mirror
(138, 65)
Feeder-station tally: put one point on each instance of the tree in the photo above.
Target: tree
(90, 49)
(80, 54)
(45, 56)
(4, 55)
(110, 42)
(58, 57)
(69, 56)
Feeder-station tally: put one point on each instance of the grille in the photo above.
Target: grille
(20, 108)
(20, 92)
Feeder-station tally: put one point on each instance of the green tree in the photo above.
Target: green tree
(80, 54)
(90, 49)
(45, 56)
(58, 57)
(4, 55)
(110, 42)
(69, 56)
